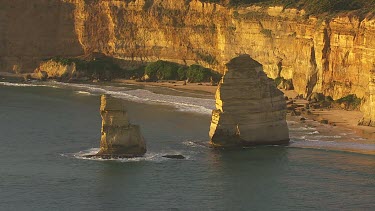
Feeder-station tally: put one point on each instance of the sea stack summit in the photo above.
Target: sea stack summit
(250, 110)
(120, 139)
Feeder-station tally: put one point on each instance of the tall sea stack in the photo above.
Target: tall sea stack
(250, 110)
(119, 137)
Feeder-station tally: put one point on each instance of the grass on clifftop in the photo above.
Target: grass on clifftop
(313, 7)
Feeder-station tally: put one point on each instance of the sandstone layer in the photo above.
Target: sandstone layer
(369, 104)
(119, 137)
(333, 57)
(255, 115)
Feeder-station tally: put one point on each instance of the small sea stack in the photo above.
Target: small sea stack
(119, 139)
(250, 110)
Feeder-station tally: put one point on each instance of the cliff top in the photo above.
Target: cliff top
(312, 7)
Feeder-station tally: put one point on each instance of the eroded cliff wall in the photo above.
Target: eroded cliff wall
(34, 30)
(333, 57)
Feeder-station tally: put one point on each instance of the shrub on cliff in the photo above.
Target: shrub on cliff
(197, 73)
(102, 68)
(162, 70)
(181, 72)
(136, 73)
(351, 102)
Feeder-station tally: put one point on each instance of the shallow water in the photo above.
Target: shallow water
(45, 131)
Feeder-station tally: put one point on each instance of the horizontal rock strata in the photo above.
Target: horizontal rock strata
(119, 137)
(250, 110)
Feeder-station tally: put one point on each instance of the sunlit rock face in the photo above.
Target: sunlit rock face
(119, 137)
(368, 107)
(250, 110)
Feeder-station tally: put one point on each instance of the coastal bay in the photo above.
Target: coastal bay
(43, 162)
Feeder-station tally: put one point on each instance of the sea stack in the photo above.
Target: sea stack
(368, 106)
(120, 139)
(250, 110)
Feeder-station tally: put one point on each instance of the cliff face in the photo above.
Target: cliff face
(34, 30)
(333, 57)
(368, 107)
(254, 116)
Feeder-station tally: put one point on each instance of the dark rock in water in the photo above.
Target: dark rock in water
(174, 156)
(302, 119)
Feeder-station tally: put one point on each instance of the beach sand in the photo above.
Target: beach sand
(196, 87)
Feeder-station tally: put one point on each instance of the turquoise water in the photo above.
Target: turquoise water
(44, 131)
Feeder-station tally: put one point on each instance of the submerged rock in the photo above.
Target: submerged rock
(174, 156)
(250, 110)
(120, 139)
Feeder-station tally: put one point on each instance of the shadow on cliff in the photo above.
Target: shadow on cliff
(36, 30)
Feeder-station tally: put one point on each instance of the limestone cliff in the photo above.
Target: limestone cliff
(333, 56)
(119, 137)
(253, 116)
(369, 104)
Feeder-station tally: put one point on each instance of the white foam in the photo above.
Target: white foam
(193, 144)
(20, 84)
(334, 137)
(148, 157)
(302, 129)
(181, 103)
(83, 93)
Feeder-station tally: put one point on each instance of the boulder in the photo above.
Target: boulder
(250, 110)
(119, 137)
(42, 75)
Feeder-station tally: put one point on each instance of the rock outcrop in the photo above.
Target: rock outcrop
(119, 137)
(56, 69)
(250, 110)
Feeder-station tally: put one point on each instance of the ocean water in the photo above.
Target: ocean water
(46, 128)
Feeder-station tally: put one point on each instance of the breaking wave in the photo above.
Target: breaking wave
(21, 84)
(181, 103)
(148, 157)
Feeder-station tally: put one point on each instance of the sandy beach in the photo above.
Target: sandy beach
(196, 87)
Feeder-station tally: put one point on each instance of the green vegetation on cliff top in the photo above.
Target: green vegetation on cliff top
(314, 7)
